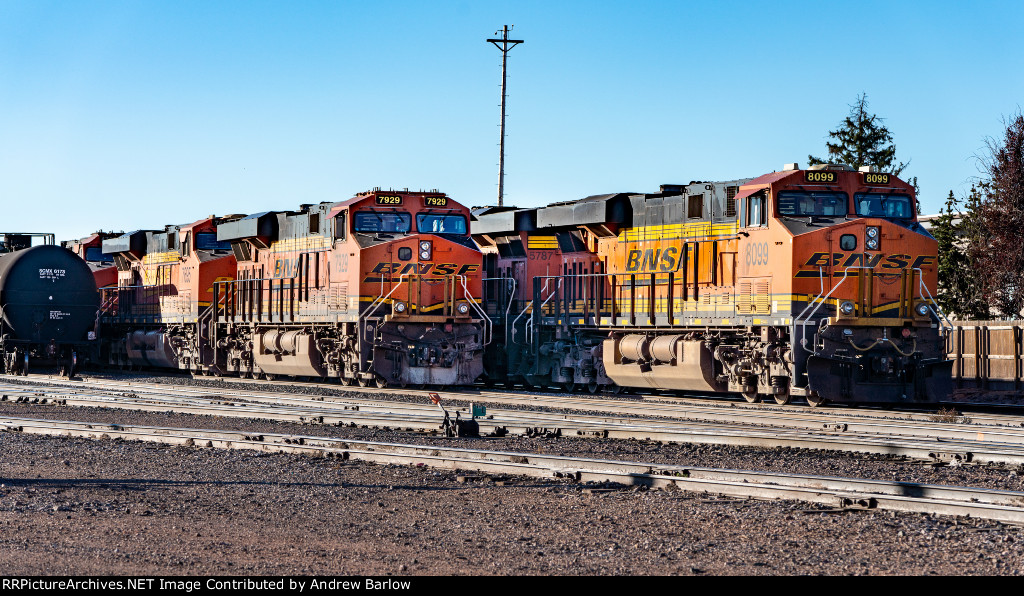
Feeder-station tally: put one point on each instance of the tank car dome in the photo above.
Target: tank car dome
(47, 293)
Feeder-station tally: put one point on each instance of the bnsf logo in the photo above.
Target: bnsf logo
(424, 268)
(653, 259)
(897, 261)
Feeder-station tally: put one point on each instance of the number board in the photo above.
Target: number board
(820, 176)
(873, 178)
(389, 200)
(435, 201)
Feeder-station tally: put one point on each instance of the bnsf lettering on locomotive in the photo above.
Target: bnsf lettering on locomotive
(424, 268)
(653, 259)
(869, 260)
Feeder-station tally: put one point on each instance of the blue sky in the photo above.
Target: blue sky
(135, 114)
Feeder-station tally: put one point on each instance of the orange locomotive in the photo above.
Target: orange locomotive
(810, 282)
(163, 294)
(381, 288)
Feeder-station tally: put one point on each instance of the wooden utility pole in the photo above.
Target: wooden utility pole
(504, 44)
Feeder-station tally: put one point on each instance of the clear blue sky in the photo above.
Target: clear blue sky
(135, 114)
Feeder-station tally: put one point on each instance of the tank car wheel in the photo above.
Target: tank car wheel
(752, 397)
(782, 399)
(24, 367)
(614, 389)
(814, 400)
(593, 387)
(569, 387)
(269, 377)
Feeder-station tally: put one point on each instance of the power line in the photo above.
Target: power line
(504, 44)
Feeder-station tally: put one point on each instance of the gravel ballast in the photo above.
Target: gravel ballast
(72, 506)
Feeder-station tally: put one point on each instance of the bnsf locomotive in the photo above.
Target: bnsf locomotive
(383, 288)
(812, 282)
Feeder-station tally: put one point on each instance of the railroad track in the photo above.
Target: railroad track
(1004, 506)
(949, 443)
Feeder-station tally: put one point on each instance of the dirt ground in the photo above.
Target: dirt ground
(72, 506)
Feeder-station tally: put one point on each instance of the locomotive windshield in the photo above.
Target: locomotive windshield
(95, 254)
(372, 222)
(808, 204)
(883, 205)
(427, 223)
(208, 241)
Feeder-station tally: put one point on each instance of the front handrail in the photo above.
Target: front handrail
(820, 300)
(935, 308)
(488, 331)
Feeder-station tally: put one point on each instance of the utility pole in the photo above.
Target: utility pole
(504, 44)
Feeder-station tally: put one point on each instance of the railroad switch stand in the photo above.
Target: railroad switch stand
(459, 427)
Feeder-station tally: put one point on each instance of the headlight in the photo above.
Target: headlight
(871, 243)
(922, 309)
(401, 307)
(462, 308)
(424, 254)
(425, 245)
(872, 232)
(847, 308)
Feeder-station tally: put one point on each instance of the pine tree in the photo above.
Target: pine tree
(862, 140)
(1001, 215)
(958, 291)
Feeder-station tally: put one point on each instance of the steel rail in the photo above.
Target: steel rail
(719, 414)
(1005, 506)
(516, 422)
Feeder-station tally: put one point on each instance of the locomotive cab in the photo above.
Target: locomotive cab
(857, 305)
(381, 288)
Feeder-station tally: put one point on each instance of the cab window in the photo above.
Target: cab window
(95, 254)
(432, 223)
(883, 205)
(810, 204)
(373, 222)
(755, 209)
(208, 241)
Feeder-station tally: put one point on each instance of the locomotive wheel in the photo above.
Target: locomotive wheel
(569, 387)
(751, 396)
(363, 382)
(782, 399)
(814, 400)
(593, 387)
(269, 376)
(381, 383)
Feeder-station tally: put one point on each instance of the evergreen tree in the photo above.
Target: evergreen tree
(862, 140)
(958, 291)
(1001, 215)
